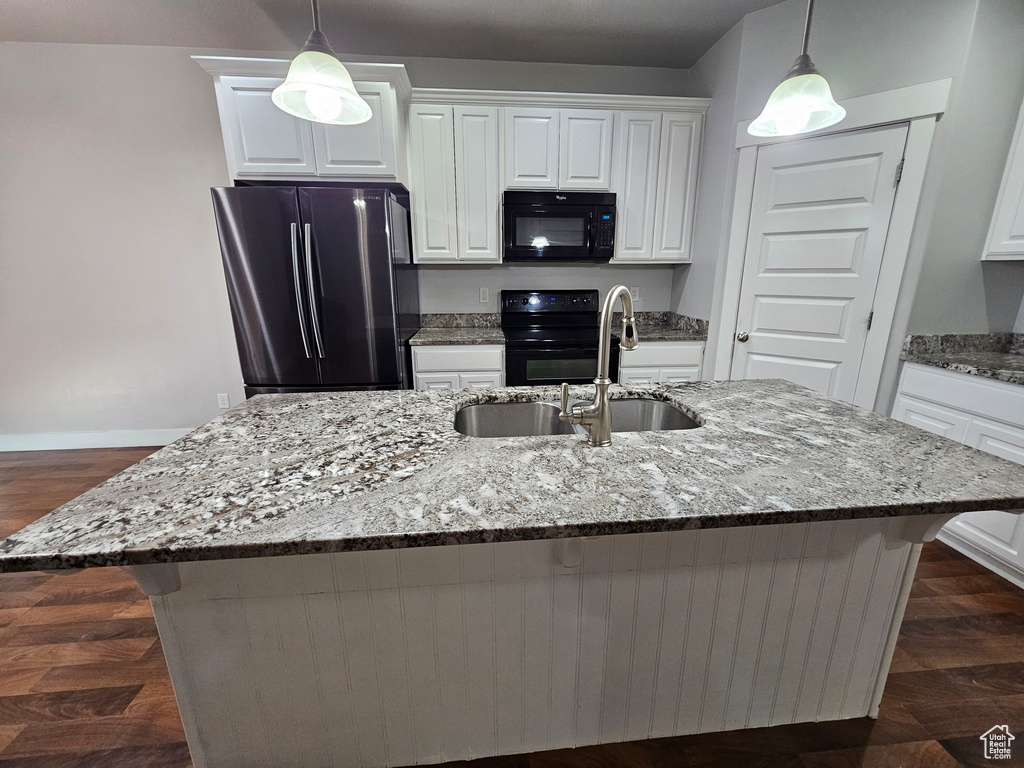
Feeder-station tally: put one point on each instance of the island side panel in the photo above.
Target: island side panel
(399, 657)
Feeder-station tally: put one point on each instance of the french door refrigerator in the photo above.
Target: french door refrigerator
(323, 291)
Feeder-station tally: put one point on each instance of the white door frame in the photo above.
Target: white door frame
(921, 106)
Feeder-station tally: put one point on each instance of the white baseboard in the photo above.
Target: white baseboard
(977, 554)
(115, 438)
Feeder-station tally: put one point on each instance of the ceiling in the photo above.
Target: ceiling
(647, 33)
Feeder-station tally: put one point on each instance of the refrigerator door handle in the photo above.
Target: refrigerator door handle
(312, 293)
(298, 287)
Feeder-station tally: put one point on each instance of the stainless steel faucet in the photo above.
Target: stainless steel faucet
(596, 417)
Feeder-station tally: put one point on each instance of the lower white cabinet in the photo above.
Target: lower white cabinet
(459, 366)
(661, 362)
(987, 415)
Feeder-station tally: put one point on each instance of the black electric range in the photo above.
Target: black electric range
(551, 337)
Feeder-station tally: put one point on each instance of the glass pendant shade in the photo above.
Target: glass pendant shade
(799, 104)
(319, 88)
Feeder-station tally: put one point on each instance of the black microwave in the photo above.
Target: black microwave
(559, 226)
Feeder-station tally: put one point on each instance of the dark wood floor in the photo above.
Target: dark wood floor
(83, 683)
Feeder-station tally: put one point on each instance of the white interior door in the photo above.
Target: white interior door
(818, 223)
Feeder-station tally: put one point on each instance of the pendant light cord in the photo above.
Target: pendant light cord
(807, 24)
(316, 19)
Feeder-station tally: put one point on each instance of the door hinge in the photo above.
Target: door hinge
(899, 173)
(871, 317)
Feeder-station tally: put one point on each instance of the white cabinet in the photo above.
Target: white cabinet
(477, 184)
(677, 186)
(458, 366)
(1006, 232)
(432, 178)
(260, 139)
(661, 362)
(987, 415)
(531, 148)
(548, 148)
(585, 149)
(365, 150)
(637, 144)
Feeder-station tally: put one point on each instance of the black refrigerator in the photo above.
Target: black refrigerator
(323, 291)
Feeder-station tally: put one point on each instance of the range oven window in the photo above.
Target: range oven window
(551, 231)
(555, 370)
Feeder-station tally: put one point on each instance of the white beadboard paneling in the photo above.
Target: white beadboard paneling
(426, 655)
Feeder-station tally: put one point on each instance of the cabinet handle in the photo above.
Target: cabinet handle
(312, 294)
(298, 287)
(742, 336)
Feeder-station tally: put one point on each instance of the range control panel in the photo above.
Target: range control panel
(549, 301)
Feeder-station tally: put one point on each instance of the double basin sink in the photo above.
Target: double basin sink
(532, 419)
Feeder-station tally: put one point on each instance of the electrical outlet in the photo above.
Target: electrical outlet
(634, 292)
(223, 401)
(485, 295)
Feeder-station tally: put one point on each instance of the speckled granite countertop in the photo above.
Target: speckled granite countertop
(481, 328)
(325, 472)
(997, 356)
(437, 336)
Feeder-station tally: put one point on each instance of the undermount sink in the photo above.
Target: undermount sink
(511, 420)
(534, 419)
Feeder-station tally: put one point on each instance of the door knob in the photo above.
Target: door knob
(742, 336)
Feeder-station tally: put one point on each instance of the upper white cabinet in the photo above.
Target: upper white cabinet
(585, 149)
(549, 148)
(261, 141)
(368, 149)
(455, 184)
(1006, 233)
(432, 194)
(531, 148)
(637, 144)
(477, 184)
(677, 186)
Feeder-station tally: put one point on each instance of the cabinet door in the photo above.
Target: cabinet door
(482, 379)
(259, 138)
(1006, 233)
(477, 183)
(677, 186)
(361, 150)
(531, 148)
(436, 380)
(637, 143)
(432, 157)
(585, 149)
(931, 417)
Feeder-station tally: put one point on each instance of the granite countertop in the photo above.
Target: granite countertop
(997, 356)
(326, 472)
(483, 328)
(438, 336)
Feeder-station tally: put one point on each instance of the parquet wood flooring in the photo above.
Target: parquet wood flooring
(83, 683)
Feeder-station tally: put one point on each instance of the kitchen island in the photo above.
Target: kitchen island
(342, 579)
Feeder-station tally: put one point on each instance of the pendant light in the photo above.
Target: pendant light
(318, 86)
(803, 101)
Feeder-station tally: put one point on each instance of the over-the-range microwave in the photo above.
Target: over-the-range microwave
(559, 226)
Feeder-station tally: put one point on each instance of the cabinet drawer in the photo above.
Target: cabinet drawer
(475, 357)
(994, 399)
(662, 354)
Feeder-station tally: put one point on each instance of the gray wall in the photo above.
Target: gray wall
(113, 311)
(457, 288)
